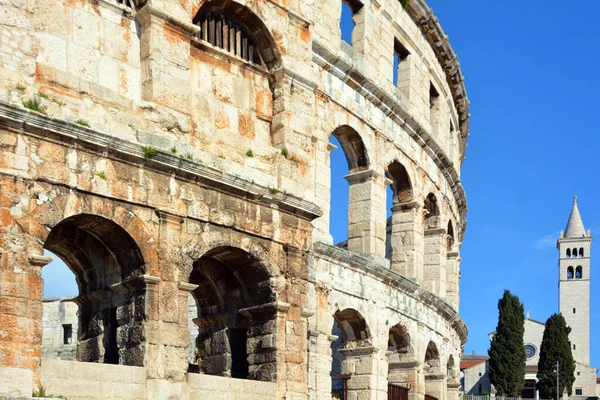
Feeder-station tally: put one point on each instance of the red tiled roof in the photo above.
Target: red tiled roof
(464, 364)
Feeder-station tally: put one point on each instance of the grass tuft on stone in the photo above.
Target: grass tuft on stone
(249, 153)
(82, 122)
(173, 150)
(43, 95)
(284, 152)
(101, 174)
(149, 151)
(20, 87)
(34, 104)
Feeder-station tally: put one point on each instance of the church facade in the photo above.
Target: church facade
(574, 246)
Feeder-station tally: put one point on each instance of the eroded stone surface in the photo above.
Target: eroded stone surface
(205, 172)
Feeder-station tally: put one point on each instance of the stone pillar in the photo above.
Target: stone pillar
(128, 299)
(452, 279)
(266, 341)
(406, 243)
(453, 392)
(435, 386)
(214, 350)
(319, 364)
(21, 293)
(366, 213)
(167, 333)
(405, 374)
(362, 364)
(434, 260)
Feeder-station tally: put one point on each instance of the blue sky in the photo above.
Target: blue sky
(532, 77)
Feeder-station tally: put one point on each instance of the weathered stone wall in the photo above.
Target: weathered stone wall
(163, 164)
(58, 315)
(82, 380)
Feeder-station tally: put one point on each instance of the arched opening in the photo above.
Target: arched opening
(232, 301)
(574, 252)
(401, 366)
(435, 385)
(450, 237)
(352, 332)
(345, 197)
(568, 253)
(102, 256)
(399, 343)
(60, 319)
(570, 273)
(431, 212)
(237, 30)
(579, 273)
(432, 359)
(581, 252)
(401, 185)
(451, 370)
(400, 229)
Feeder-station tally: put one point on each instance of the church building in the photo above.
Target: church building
(574, 245)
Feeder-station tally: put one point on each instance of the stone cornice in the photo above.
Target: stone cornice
(344, 69)
(405, 285)
(39, 125)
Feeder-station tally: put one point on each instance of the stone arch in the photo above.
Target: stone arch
(399, 343)
(207, 241)
(574, 252)
(352, 332)
(451, 369)
(353, 326)
(353, 146)
(450, 240)
(250, 23)
(568, 254)
(579, 272)
(401, 183)
(581, 253)
(570, 273)
(107, 264)
(432, 359)
(431, 211)
(234, 299)
(46, 216)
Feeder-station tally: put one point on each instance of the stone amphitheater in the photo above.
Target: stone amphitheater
(176, 149)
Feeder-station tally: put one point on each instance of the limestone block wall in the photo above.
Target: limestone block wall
(59, 319)
(81, 380)
(160, 162)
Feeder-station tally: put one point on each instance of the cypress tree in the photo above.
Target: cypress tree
(556, 346)
(507, 351)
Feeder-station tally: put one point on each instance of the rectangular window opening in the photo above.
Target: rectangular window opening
(578, 392)
(347, 22)
(574, 347)
(578, 373)
(67, 333)
(400, 55)
(574, 311)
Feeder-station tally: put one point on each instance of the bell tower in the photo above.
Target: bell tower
(574, 283)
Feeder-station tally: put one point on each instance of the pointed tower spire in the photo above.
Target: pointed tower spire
(575, 227)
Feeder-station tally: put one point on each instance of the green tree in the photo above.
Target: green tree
(555, 347)
(507, 352)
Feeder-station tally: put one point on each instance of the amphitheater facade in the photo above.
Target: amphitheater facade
(168, 150)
